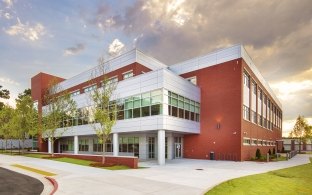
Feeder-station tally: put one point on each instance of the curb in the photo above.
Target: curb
(54, 183)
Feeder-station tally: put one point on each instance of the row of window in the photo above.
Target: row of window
(257, 142)
(268, 115)
(126, 144)
(113, 79)
(142, 105)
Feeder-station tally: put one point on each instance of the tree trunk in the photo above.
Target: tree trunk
(6, 143)
(52, 147)
(104, 147)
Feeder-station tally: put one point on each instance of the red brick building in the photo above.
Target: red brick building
(215, 106)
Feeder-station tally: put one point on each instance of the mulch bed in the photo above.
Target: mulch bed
(50, 157)
(99, 164)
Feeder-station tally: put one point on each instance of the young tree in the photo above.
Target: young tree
(5, 94)
(58, 106)
(300, 130)
(6, 116)
(25, 119)
(104, 109)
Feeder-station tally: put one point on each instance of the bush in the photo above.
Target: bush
(274, 151)
(258, 154)
(270, 153)
(283, 149)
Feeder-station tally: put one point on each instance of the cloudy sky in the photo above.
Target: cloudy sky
(66, 37)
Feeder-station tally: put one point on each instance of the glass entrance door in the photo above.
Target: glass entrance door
(151, 147)
(178, 147)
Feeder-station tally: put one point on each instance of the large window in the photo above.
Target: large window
(246, 113)
(129, 145)
(246, 80)
(98, 147)
(182, 107)
(84, 145)
(67, 145)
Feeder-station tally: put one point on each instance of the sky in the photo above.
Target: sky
(66, 37)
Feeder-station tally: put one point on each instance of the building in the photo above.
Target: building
(293, 144)
(217, 106)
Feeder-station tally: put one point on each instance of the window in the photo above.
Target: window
(254, 87)
(111, 80)
(84, 145)
(75, 93)
(127, 75)
(246, 113)
(90, 88)
(98, 147)
(246, 80)
(129, 145)
(254, 142)
(253, 117)
(192, 80)
(246, 141)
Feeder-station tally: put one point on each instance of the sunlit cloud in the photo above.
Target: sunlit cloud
(8, 81)
(288, 126)
(74, 50)
(8, 3)
(287, 90)
(115, 48)
(27, 31)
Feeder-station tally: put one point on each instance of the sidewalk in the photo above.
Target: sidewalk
(178, 176)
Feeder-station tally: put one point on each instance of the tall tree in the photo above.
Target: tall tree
(58, 106)
(25, 119)
(104, 110)
(300, 130)
(6, 122)
(5, 94)
(26, 92)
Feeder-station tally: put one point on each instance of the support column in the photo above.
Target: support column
(76, 144)
(49, 146)
(115, 144)
(161, 147)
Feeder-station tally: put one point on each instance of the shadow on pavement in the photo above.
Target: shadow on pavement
(15, 183)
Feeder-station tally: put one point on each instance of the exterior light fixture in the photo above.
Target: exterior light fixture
(218, 126)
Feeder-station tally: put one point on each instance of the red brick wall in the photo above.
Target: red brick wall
(220, 103)
(39, 84)
(255, 131)
(131, 162)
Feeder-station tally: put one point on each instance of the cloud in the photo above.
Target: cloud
(8, 3)
(115, 48)
(74, 50)
(9, 81)
(27, 31)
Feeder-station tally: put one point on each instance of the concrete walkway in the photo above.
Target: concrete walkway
(180, 176)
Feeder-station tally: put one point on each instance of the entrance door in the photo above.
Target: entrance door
(151, 147)
(177, 147)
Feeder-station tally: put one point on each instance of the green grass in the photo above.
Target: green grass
(294, 180)
(73, 161)
(116, 167)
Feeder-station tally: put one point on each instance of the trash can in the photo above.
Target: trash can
(212, 157)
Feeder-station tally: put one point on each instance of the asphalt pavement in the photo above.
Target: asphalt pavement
(13, 183)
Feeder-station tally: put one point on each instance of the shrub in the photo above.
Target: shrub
(270, 153)
(283, 149)
(258, 154)
(274, 151)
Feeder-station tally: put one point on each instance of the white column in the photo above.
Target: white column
(76, 144)
(170, 147)
(115, 144)
(49, 146)
(161, 147)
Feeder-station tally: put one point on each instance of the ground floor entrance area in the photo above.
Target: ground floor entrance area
(159, 145)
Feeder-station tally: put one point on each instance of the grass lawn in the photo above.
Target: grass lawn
(294, 180)
(87, 163)
(33, 155)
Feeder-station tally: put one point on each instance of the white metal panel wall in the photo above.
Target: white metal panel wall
(210, 59)
(114, 64)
